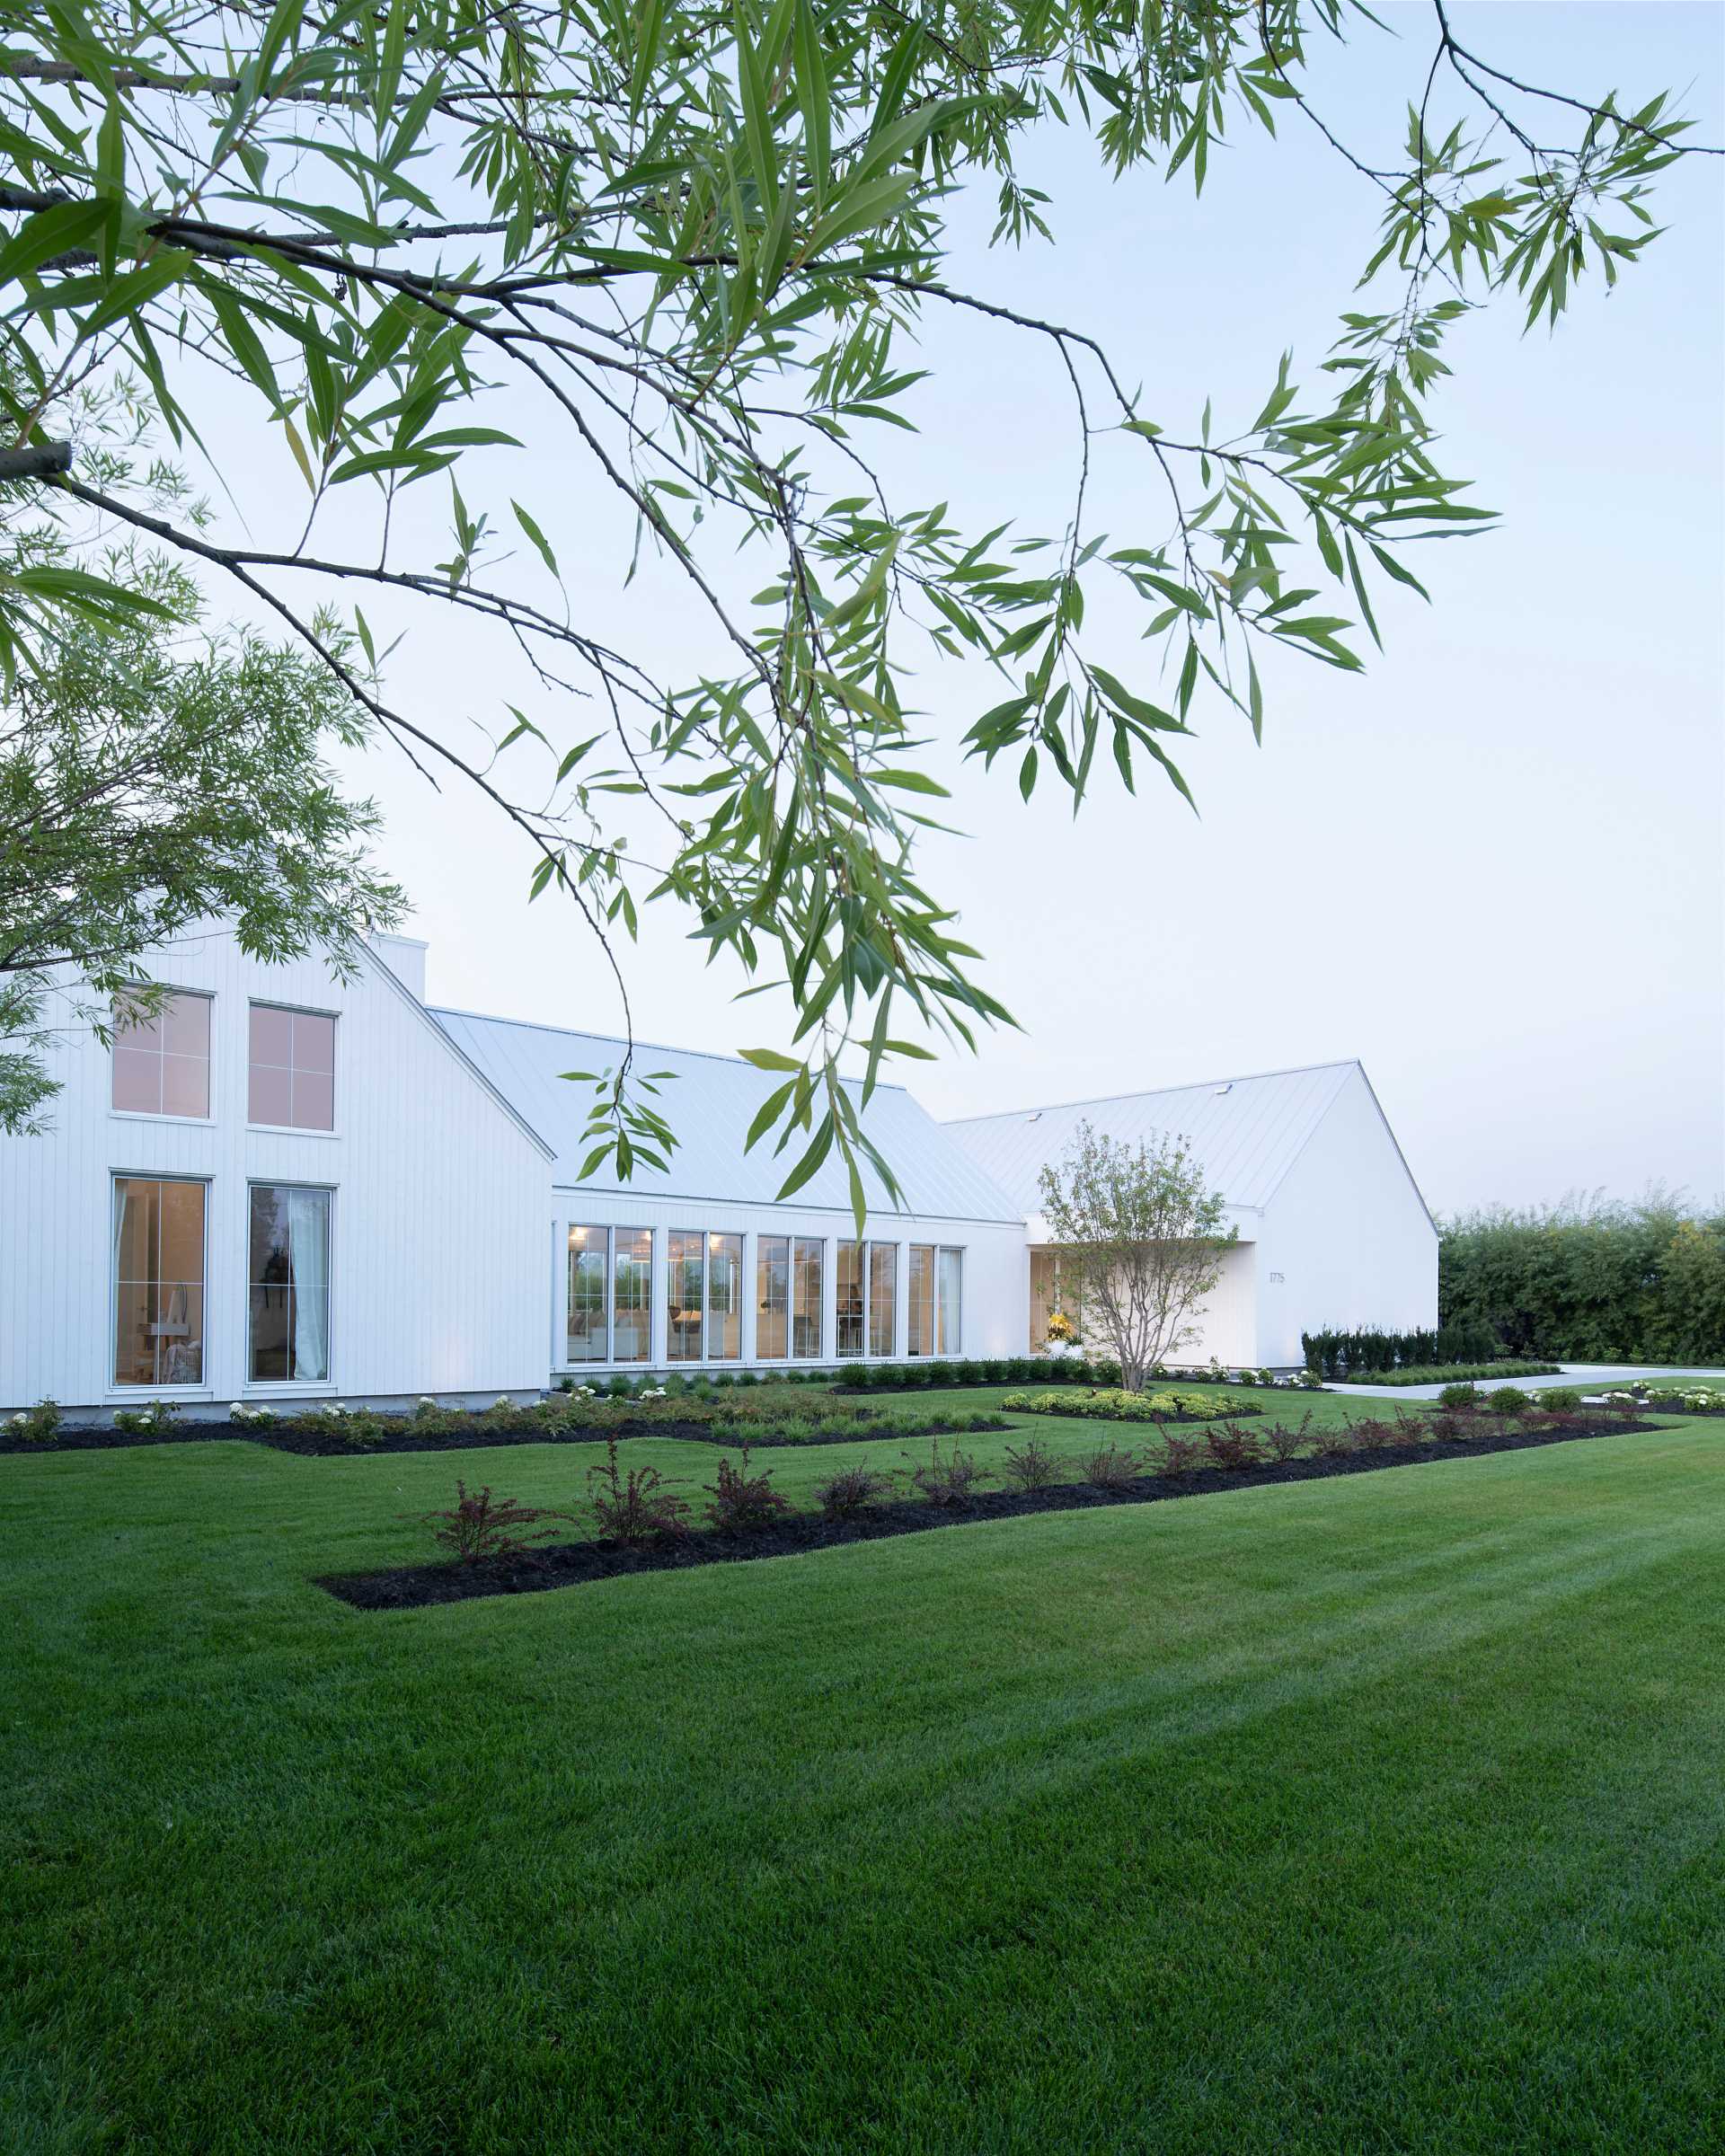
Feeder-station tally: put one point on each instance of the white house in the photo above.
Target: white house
(293, 1188)
(1331, 1227)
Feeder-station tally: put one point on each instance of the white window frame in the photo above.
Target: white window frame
(262, 1388)
(866, 1246)
(146, 1114)
(204, 1388)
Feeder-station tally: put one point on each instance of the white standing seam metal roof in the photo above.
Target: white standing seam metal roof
(1246, 1133)
(710, 1103)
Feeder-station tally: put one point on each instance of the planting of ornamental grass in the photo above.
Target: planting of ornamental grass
(1376, 1811)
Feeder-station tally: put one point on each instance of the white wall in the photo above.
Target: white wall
(1349, 1235)
(1224, 1326)
(439, 1214)
(996, 1268)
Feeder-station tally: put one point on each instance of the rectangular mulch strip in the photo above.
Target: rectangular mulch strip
(578, 1564)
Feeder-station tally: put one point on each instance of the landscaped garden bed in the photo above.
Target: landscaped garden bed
(331, 1432)
(860, 1504)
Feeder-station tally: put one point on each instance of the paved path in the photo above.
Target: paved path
(1592, 1377)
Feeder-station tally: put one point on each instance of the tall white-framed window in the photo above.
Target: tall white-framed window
(806, 1315)
(287, 1283)
(772, 1297)
(161, 1060)
(631, 1295)
(703, 1297)
(852, 1303)
(589, 1300)
(867, 1278)
(883, 1298)
(724, 1298)
(685, 1294)
(157, 1280)
(936, 1298)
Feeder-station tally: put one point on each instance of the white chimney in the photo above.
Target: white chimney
(405, 958)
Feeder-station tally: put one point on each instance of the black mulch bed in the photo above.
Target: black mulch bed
(283, 1437)
(575, 1564)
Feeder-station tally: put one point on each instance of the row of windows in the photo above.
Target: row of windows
(159, 1245)
(610, 1297)
(162, 1063)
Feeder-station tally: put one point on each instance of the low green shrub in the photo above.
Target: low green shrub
(37, 1424)
(1460, 1395)
(161, 1415)
(1111, 1405)
(1439, 1374)
(1509, 1399)
(1562, 1399)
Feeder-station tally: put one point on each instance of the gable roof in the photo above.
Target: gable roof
(1246, 1132)
(709, 1106)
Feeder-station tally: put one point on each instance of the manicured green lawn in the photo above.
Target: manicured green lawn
(1380, 1814)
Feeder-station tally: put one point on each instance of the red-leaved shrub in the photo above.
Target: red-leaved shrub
(1031, 1466)
(638, 1507)
(950, 1480)
(743, 1502)
(1283, 1444)
(1231, 1447)
(479, 1526)
(1112, 1467)
(853, 1491)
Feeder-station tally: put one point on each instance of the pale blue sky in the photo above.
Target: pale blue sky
(1489, 866)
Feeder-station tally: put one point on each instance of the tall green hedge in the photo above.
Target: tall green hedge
(1591, 1282)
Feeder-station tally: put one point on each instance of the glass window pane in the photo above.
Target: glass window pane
(185, 1085)
(805, 1306)
(685, 1294)
(185, 1026)
(587, 1307)
(314, 1041)
(270, 1095)
(922, 1298)
(134, 1343)
(182, 1231)
(631, 1325)
(137, 1081)
(850, 1298)
(136, 1028)
(951, 1301)
(158, 1282)
(883, 1298)
(772, 1295)
(724, 1298)
(314, 1100)
(272, 1334)
(272, 1033)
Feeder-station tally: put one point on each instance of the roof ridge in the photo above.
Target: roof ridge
(656, 1048)
(1146, 1092)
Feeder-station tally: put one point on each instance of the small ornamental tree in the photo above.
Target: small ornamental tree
(1141, 1236)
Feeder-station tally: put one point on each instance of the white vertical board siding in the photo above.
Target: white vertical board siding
(996, 1268)
(1226, 1324)
(437, 1221)
(1348, 1232)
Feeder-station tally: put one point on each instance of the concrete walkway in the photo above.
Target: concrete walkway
(1591, 1377)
